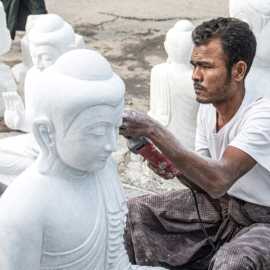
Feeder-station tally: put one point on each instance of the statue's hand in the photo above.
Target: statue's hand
(136, 124)
(14, 114)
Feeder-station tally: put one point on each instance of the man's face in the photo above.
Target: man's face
(212, 83)
(43, 56)
(90, 138)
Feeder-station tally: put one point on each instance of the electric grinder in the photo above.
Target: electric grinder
(149, 152)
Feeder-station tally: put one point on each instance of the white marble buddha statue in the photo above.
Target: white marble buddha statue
(257, 14)
(172, 98)
(7, 82)
(19, 70)
(67, 211)
(49, 37)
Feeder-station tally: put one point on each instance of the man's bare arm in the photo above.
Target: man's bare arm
(213, 176)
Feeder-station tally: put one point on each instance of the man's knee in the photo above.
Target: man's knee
(230, 257)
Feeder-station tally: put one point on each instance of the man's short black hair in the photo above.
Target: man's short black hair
(237, 39)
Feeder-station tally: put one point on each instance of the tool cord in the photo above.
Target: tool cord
(209, 240)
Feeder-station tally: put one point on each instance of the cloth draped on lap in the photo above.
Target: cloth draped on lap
(164, 230)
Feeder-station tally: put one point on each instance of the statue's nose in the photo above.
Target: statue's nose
(111, 145)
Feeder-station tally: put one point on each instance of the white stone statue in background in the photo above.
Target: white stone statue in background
(257, 14)
(172, 98)
(67, 211)
(7, 82)
(48, 37)
(20, 69)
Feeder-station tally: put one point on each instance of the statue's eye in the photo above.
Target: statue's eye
(97, 131)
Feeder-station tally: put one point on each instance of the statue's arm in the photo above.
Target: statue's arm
(20, 239)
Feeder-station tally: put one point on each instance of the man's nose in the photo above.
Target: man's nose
(197, 74)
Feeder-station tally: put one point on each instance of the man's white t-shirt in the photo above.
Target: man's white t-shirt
(248, 130)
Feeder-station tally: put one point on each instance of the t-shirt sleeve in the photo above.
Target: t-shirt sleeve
(254, 135)
(201, 143)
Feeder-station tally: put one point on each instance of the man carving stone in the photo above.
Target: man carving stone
(230, 169)
(67, 211)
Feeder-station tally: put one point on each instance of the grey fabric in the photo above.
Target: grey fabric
(164, 230)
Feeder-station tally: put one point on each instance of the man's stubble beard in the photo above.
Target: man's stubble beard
(223, 97)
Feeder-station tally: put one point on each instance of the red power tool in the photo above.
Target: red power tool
(145, 148)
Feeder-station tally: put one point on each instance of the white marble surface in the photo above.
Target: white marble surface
(49, 24)
(257, 14)
(7, 82)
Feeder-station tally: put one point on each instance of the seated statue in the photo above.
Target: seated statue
(49, 37)
(257, 14)
(20, 70)
(172, 98)
(67, 211)
(7, 82)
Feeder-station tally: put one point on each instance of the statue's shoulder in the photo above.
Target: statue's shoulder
(24, 197)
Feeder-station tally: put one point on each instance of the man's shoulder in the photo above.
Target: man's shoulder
(258, 108)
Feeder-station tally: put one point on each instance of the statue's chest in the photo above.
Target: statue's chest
(76, 225)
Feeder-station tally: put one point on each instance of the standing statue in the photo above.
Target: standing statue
(7, 82)
(257, 14)
(172, 98)
(49, 37)
(67, 211)
(21, 69)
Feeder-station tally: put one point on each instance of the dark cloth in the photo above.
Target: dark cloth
(18, 10)
(164, 230)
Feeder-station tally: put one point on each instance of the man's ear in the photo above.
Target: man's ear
(239, 70)
(44, 133)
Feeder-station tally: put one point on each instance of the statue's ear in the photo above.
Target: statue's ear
(44, 133)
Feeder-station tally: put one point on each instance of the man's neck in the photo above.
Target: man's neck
(226, 110)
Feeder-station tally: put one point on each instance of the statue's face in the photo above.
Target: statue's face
(43, 56)
(90, 138)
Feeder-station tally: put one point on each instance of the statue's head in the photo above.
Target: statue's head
(49, 37)
(5, 42)
(78, 109)
(178, 42)
(255, 12)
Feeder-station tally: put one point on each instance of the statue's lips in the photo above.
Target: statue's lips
(103, 158)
